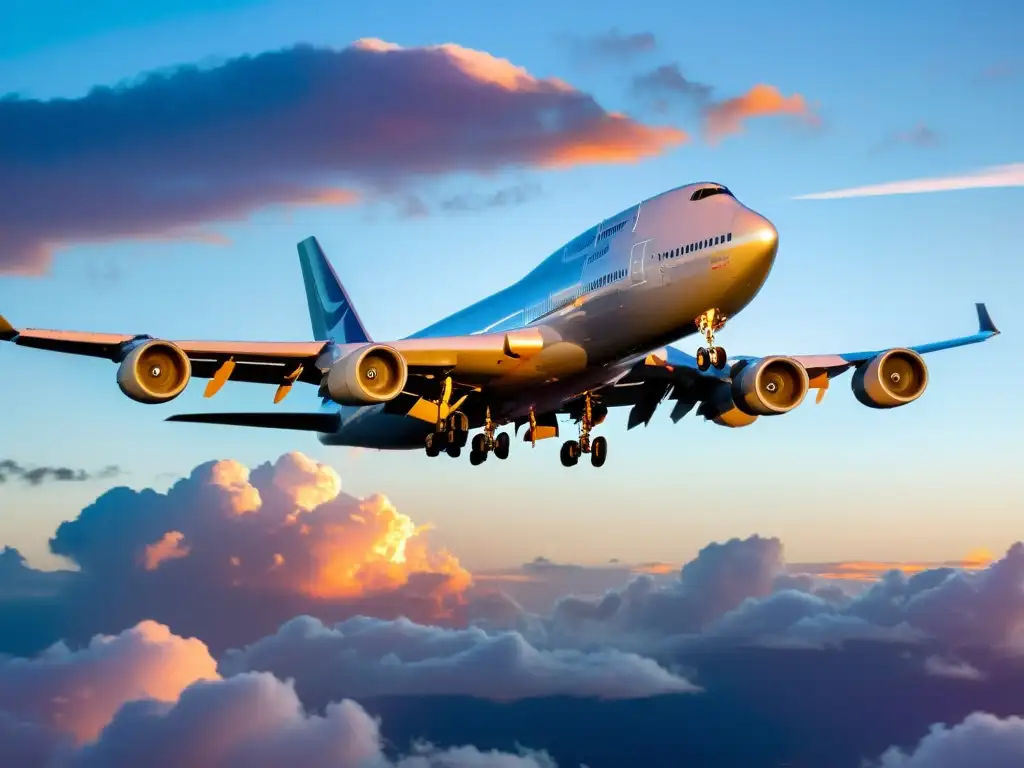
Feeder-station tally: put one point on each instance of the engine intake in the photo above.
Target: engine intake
(770, 386)
(372, 374)
(891, 379)
(154, 372)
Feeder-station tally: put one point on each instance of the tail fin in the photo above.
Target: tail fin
(331, 312)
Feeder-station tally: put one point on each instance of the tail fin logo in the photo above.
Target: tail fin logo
(331, 313)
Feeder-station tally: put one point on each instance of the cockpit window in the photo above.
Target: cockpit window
(700, 194)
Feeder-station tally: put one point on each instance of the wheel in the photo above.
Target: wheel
(599, 451)
(501, 445)
(476, 458)
(432, 446)
(454, 450)
(480, 444)
(718, 357)
(570, 453)
(703, 363)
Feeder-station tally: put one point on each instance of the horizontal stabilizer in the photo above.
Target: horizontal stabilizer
(308, 422)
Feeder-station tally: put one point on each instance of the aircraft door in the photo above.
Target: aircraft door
(636, 262)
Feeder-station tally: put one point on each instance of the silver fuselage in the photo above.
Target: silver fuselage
(628, 285)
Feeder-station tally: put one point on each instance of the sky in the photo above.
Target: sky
(98, 234)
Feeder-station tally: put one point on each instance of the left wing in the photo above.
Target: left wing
(671, 373)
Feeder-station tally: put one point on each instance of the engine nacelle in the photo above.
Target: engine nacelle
(372, 374)
(721, 410)
(154, 372)
(893, 378)
(770, 386)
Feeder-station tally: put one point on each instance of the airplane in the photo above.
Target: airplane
(589, 329)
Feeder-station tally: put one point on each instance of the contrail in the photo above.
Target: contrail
(997, 176)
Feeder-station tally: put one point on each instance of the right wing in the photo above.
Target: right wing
(471, 360)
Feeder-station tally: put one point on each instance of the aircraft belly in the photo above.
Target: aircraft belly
(370, 427)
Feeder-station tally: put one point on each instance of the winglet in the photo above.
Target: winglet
(985, 324)
(7, 331)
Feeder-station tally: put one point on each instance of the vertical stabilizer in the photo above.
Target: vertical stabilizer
(331, 312)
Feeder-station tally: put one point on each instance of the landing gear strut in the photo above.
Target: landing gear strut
(487, 442)
(573, 449)
(451, 431)
(707, 324)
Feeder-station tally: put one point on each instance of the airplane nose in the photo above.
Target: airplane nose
(756, 229)
(754, 226)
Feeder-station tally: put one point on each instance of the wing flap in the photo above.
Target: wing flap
(308, 422)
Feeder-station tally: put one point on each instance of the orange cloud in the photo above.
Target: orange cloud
(871, 570)
(295, 127)
(727, 117)
(656, 569)
(169, 547)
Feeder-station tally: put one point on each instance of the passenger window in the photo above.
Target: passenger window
(728, 237)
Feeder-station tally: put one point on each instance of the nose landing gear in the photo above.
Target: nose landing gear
(573, 449)
(707, 324)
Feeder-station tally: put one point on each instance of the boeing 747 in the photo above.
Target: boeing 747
(587, 330)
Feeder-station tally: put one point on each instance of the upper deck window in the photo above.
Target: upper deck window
(700, 194)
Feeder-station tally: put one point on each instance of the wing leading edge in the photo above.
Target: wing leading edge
(670, 372)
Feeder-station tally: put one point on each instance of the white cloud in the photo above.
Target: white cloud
(980, 740)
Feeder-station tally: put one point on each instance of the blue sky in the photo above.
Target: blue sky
(930, 481)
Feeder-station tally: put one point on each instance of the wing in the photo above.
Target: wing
(470, 361)
(673, 374)
(254, 361)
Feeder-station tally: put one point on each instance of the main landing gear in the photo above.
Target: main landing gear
(707, 324)
(451, 431)
(487, 442)
(450, 435)
(573, 449)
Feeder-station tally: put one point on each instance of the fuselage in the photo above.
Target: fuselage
(627, 285)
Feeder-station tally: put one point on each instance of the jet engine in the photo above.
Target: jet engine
(154, 372)
(891, 379)
(721, 410)
(770, 386)
(372, 374)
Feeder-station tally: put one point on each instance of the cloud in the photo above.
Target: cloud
(981, 739)
(13, 470)
(667, 83)
(727, 117)
(364, 657)
(920, 136)
(229, 557)
(147, 697)
(77, 692)
(169, 151)
(956, 670)
(740, 593)
(987, 178)
(666, 86)
(616, 45)
(502, 198)
(251, 550)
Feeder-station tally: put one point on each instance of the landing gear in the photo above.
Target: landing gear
(451, 430)
(573, 449)
(487, 442)
(502, 443)
(708, 323)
